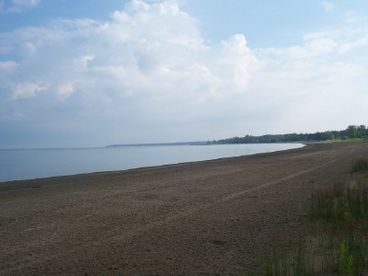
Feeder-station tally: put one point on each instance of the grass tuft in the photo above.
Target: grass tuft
(344, 209)
(294, 264)
(360, 166)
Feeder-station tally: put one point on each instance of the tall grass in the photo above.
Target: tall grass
(360, 166)
(333, 255)
(343, 209)
(293, 264)
(342, 248)
(353, 255)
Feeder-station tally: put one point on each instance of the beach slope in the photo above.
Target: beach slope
(221, 216)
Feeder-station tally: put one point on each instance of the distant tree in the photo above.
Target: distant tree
(351, 132)
(361, 131)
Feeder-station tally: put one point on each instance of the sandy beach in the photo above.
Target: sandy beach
(212, 217)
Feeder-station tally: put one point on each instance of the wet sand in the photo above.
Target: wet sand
(212, 217)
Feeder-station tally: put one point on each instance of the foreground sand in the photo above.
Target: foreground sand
(209, 217)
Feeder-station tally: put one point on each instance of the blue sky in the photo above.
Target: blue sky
(90, 72)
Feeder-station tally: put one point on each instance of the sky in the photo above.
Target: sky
(93, 73)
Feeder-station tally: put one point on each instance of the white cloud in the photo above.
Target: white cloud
(135, 75)
(25, 3)
(28, 90)
(7, 67)
(317, 79)
(19, 5)
(135, 50)
(65, 90)
(135, 68)
(7, 71)
(327, 6)
(314, 45)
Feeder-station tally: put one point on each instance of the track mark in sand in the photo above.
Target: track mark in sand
(247, 191)
(134, 232)
(285, 178)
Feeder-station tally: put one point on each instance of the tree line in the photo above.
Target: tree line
(352, 132)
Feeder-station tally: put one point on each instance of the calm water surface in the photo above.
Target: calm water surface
(37, 163)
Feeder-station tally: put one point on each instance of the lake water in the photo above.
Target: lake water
(38, 163)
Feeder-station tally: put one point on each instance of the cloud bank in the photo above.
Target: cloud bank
(148, 74)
